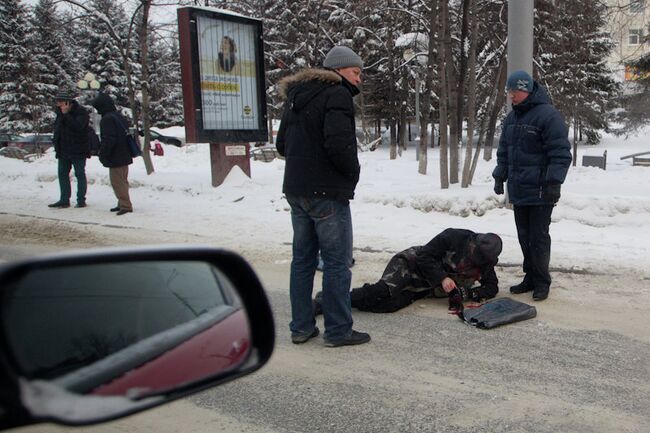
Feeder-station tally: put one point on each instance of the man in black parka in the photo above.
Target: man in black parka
(534, 155)
(114, 151)
(71, 147)
(317, 138)
(447, 266)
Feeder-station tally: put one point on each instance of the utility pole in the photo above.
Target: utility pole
(520, 35)
(520, 42)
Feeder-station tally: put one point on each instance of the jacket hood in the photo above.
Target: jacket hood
(536, 97)
(321, 75)
(103, 104)
(304, 86)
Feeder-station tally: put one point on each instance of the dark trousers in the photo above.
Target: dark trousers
(397, 288)
(535, 241)
(65, 165)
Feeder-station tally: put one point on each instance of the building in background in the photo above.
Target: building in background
(628, 26)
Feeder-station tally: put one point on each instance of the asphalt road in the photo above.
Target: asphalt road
(423, 371)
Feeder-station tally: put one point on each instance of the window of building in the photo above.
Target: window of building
(635, 36)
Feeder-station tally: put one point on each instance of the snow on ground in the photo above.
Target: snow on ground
(600, 223)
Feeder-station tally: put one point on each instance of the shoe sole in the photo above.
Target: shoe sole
(301, 339)
(346, 342)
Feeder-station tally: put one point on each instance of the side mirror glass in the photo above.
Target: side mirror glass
(115, 334)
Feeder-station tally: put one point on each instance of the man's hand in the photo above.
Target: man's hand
(498, 186)
(551, 192)
(448, 285)
(455, 301)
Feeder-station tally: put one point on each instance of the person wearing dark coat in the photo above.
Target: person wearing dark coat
(447, 266)
(317, 138)
(71, 148)
(534, 155)
(114, 151)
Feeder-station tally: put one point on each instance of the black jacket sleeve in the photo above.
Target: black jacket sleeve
(430, 258)
(489, 283)
(340, 141)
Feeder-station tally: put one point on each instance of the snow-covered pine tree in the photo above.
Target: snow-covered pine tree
(51, 62)
(165, 88)
(574, 68)
(15, 68)
(103, 56)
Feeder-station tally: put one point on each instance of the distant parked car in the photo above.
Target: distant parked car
(33, 143)
(165, 139)
(7, 137)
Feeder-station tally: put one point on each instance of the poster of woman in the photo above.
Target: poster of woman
(227, 54)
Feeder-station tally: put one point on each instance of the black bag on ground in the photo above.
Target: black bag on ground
(498, 312)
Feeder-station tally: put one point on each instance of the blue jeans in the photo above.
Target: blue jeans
(326, 225)
(65, 165)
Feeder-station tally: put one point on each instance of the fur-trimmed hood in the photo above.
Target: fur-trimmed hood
(321, 75)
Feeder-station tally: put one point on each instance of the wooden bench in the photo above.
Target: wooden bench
(595, 161)
(265, 154)
(644, 162)
(638, 160)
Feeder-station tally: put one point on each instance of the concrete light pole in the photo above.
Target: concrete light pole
(520, 35)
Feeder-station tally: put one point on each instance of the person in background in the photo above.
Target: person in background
(71, 147)
(447, 266)
(534, 155)
(317, 138)
(114, 151)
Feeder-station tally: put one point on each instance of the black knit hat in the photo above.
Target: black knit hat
(488, 248)
(65, 95)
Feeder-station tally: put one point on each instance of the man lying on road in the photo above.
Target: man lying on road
(448, 266)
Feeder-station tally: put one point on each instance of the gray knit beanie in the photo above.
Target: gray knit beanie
(342, 57)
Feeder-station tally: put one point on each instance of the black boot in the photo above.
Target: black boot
(59, 204)
(540, 293)
(523, 287)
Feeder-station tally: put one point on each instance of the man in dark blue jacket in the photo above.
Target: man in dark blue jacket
(533, 157)
(317, 138)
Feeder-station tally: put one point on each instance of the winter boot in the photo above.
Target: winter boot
(523, 287)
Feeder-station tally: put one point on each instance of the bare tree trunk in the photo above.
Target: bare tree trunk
(270, 126)
(575, 136)
(143, 34)
(452, 113)
(402, 128)
(442, 54)
(462, 69)
(393, 139)
(499, 101)
(471, 102)
(425, 112)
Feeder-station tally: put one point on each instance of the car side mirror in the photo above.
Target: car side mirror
(94, 336)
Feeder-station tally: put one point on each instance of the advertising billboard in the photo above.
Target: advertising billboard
(222, 71)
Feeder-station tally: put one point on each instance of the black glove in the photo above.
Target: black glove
(498, 186)
(551, 192)
(456, 301)
(474, 294)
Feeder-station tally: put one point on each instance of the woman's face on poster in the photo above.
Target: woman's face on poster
(225, 46)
